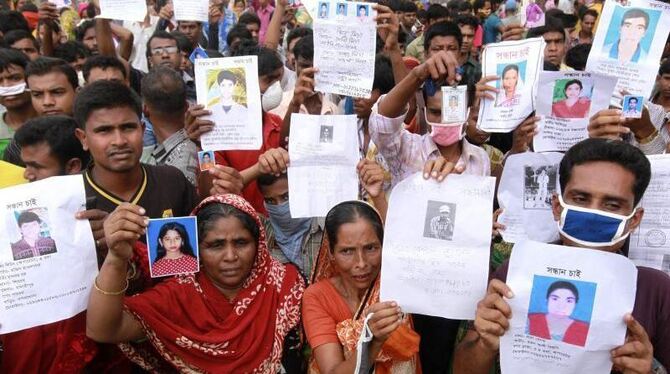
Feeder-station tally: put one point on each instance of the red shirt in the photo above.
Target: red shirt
(241, 160)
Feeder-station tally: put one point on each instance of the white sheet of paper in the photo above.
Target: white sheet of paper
(125, 10)
(50, 281)
(344, 48)
(191, 10)
(524, 194)
(606, 287)
(521, 62)
(564, 123)
(323, 157)
(436, 245)
(636, 71)
(650, 242)
(241, 126)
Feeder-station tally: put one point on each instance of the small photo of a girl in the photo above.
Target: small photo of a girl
(173, 246)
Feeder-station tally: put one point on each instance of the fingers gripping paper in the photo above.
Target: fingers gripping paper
(568, 309)
(47, 257)
(436, 245)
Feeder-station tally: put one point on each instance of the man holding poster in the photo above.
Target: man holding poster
(602, 182)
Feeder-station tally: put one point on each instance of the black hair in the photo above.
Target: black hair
(589, 12)
(104, 94)
(183, 42)
(268, 60)
(160, 34)
(298, 32)
(421, 14)
(576, 56)
(104, 63)
(395, 5)
(618, 152)
(571, 82)
(30, 7)
(10, 56)
(238, 31)
(384, 80)
(12, 20)
(349, 212)
(636, 13)
(58, 133)
(209, 214)
(445, 28)
(248, 17)
(80, 30)
(509, 67)
(226, 75)
(265, 180)
(45, 65)
(467, 20)
(435, 12)
(479, 4)
(552, 24)
(663, 69)
(186, 248)
(71, 51)
(164, 90)
(453, 5)
(305, 48)
(563, 285)
(631, 99)
(27, 216)
(14, 36)
(464, 6)
(409, 7)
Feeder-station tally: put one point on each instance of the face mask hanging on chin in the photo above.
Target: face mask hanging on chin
(16, 89)
(592, 227)
(444, 135)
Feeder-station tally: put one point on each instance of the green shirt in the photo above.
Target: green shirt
(6, 134)
(415, 49)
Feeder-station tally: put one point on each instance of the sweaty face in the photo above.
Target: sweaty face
(27, 47)
(191, 30)
(561, 302)
(171, 241)
(114, 138)
(164, 52)
(51, 93)
(555, 49)
(573, 91)
(9, 77)
(357, 254)
(227, 252)
(443, 43)
(409, 19)
(633, 29)
(40, 162)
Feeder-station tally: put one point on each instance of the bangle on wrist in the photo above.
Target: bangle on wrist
(110, 293)
(649, 138)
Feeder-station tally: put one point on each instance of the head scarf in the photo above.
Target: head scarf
(399, 352)
(193, 327)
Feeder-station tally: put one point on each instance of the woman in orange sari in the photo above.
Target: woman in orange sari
(345, 289)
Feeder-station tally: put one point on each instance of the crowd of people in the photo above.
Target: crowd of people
(115, 102)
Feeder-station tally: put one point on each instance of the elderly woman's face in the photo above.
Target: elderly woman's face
(573, 90)
(228, 251)
(358, 253)
(510, 79)
(561, 302)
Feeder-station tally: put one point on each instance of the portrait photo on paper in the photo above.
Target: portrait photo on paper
(31, 234)
(539, 184)
(632, 106)
(571, 98)
(363, 11)
(454, 104)
(206, 160)
(227, 93)
(324, 9)
(560, 309)
(341, 9)
(630, 34)
(173, 246)
(512, 77)
(326, 134)
(440, 220)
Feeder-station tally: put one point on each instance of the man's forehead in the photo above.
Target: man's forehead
(11, 69)
(162, 42)
(553, 36)
(603, 178)
(51, 80)
(635, 21)
(113, 117)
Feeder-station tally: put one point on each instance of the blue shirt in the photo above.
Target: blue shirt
(491, 26)
(226, 23)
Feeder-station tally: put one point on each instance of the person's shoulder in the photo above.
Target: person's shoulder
(272, 119)
(163, 172)
(319, 290)
(653, 278)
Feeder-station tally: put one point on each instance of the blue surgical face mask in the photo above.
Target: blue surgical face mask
(289, 232)
(592, 227)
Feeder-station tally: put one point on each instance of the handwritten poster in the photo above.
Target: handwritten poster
(125, 10)
(629, 43)
(517, 64)
(191, 10)
(565, 113)
(526, 186)
(436, 245)
(228, 87)
(345, 36)
(567, 313)
(650, 242)
(47, 257)
(323, 157)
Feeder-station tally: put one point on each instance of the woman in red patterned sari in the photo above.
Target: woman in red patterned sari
(232, 317)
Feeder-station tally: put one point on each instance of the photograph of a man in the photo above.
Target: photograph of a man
(32, 243)
(440, 219)
(628, 47)
(227, 107)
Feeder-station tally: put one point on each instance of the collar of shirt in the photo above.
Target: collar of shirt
(471, 156)
(267, 10)
(169, 144)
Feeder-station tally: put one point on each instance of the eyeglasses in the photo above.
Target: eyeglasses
(160, 50)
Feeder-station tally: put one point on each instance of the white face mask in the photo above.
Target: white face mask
(271, 98)
(13, 90)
